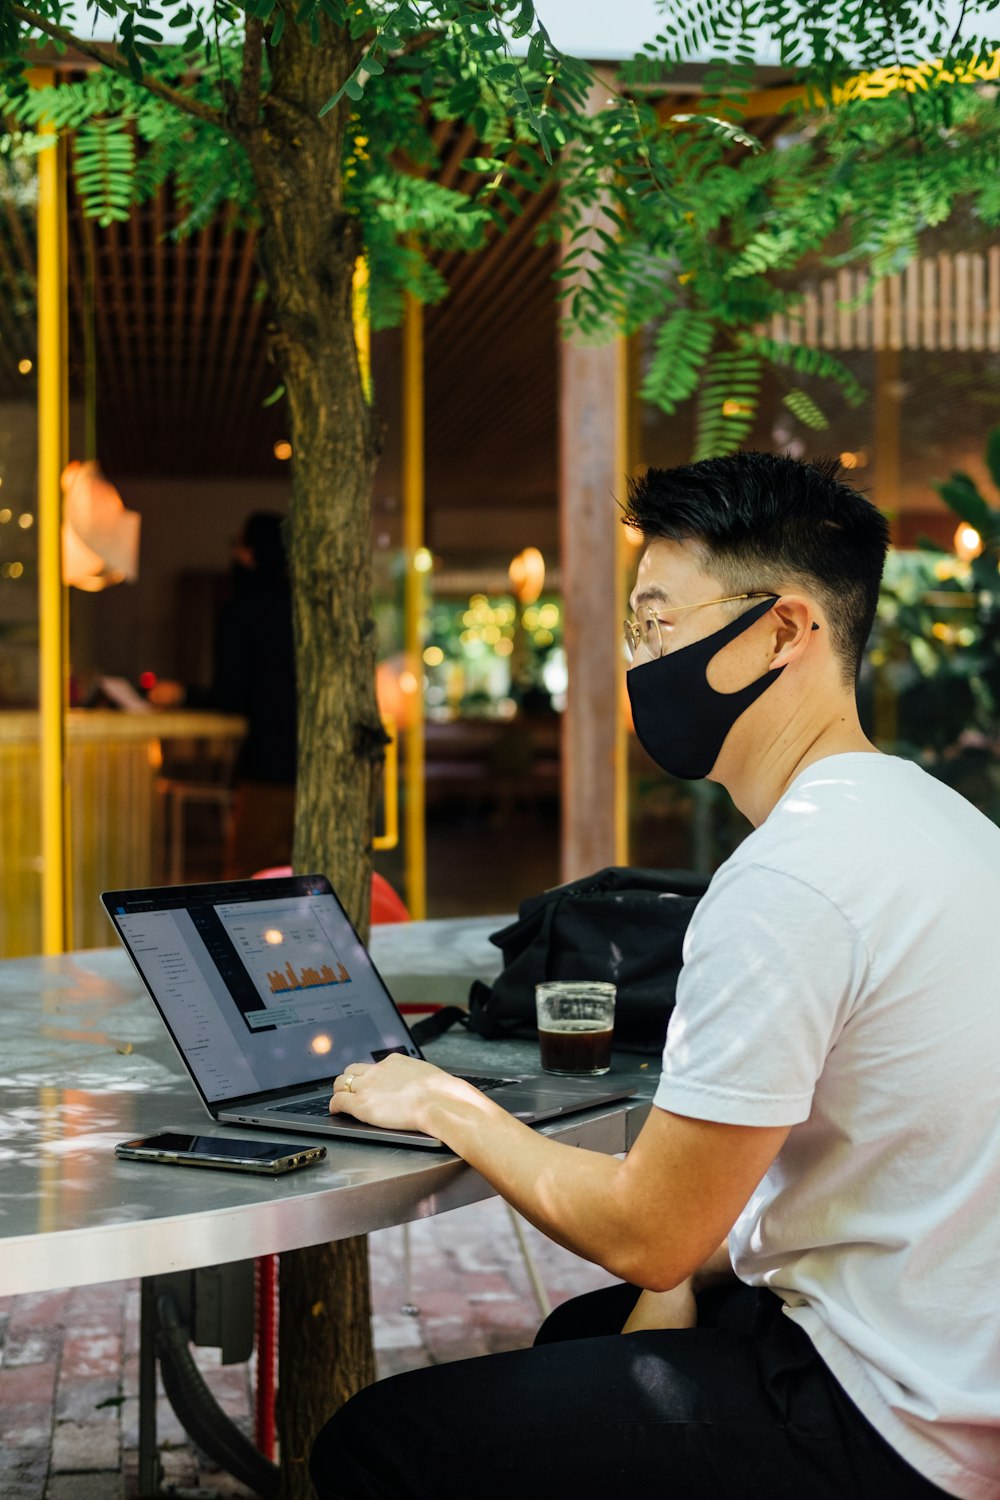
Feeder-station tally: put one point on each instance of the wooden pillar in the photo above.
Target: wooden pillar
(593, 413)
(887, 443)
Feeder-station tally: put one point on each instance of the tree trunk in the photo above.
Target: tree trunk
(308, 249)
(324, 1348)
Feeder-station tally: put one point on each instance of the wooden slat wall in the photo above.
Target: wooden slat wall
(945, 301)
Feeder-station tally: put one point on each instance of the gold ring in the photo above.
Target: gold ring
(349, 1082)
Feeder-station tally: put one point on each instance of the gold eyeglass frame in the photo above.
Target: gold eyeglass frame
(634, 638)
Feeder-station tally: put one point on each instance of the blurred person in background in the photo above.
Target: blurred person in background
(254, 675)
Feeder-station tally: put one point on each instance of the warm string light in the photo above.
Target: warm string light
(527, 575)
(483, 660)
(100, 537)
(967, 542)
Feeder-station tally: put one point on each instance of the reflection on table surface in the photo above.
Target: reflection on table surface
(85, 1062)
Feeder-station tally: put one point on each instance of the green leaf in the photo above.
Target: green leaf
(727, 403)
(681, 347)
(960, 494)
(104, 169)
(333, 101)
(274, 397)
(993, 455)
(525, 19)
(803, 407)
(724, 128)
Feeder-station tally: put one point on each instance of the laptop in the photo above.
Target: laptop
(268, 993)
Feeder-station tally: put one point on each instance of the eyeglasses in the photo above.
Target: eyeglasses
(646, 630)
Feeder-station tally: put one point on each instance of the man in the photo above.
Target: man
(254, 675)
(830, 1095)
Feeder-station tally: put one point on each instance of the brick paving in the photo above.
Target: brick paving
(69, 1359)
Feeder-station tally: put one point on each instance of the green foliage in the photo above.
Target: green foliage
(730, 229)
(104, 170)
(961, 495)
(683, 221)
(993, 455)
(935, 650)
(806, 360)
(804, 409)
(727, 402)
(480, 36)
(680, 348)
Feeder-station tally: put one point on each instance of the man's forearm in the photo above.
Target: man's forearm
(651, 1219)
(584, 1200)
(566, 1192)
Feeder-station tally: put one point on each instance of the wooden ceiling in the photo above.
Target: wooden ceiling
(181, 356)
(182, 364)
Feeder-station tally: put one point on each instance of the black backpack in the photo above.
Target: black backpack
(621, 924)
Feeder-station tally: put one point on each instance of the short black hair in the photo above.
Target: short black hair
(763, 521)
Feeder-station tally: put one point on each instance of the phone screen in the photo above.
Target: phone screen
(213, 1145)
(267, 1158)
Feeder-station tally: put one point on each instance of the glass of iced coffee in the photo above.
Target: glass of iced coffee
(576, 1020)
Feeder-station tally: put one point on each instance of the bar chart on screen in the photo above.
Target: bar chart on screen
(281, 981)
(286, 951)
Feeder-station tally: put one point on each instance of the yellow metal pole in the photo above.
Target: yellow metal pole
(389, 838)
(51, 597)
(67, 633)
(415, 838)
(362, 323)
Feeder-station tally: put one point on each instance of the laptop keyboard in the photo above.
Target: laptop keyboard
(321, 1106)
(307, 1107)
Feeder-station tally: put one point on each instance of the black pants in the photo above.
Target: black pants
(739, 1408)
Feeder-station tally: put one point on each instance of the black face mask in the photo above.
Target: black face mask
(681, 720)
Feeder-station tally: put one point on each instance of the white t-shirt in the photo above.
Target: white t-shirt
(842, 976)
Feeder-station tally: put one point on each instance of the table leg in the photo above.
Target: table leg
(150, 1473)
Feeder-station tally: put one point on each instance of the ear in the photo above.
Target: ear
(795, 620)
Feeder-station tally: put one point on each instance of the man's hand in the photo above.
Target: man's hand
(398, 1092)
(678, 1308)
(167, 694)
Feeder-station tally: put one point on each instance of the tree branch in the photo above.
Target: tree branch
(248, 98)
(117, 64)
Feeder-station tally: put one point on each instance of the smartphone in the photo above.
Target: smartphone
(269, 1157)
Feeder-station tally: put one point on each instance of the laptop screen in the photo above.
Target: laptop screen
(263, 984)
